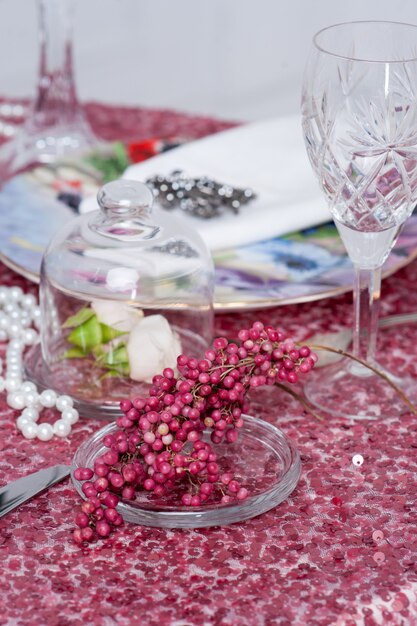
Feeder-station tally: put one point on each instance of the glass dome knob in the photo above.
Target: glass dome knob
(127, 203)
(125, 197)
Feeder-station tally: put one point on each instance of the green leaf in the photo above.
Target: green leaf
(122, 369)
(115, 356)
(110, 374)
(74, 353)
(110, 165)
(99, 352)
(120, 154)
(108, 333)
(79, 318)
(88, 335)
(114, 373)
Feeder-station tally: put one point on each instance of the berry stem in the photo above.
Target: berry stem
(376, 371)
(300, 399)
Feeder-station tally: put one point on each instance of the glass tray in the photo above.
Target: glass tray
(263, 459)
(299, 267)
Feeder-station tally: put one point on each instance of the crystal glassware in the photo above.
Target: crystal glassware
(359, 112)
(124, 290)
(55, 122)
(266, 462)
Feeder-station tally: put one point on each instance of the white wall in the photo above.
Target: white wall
(236, 59)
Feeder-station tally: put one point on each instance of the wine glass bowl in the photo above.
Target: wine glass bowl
(359, 111)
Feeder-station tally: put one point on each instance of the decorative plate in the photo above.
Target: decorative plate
(298, 267)
(263, 460)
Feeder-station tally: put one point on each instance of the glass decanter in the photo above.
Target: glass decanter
(55, 123)
(124, 290)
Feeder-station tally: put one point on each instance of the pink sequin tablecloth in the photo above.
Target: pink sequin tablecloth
(341, 551)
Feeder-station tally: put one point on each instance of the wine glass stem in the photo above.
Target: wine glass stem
(367, 293)
(56, 95)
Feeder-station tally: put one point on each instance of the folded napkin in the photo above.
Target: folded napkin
(270, 158)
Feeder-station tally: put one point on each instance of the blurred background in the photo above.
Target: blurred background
(231, 59)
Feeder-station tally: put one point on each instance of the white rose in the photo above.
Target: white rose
(152, 346)
(116, 314)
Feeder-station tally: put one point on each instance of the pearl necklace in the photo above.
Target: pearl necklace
(18, 313)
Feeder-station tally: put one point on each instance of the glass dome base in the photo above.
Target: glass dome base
(38, 372)
(263, 459)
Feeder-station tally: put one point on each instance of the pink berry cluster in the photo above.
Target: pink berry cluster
(159, 444)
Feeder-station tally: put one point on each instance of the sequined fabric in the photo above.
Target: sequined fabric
(340, 552)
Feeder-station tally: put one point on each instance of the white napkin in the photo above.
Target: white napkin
(267, 156)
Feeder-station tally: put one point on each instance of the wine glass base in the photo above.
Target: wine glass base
(350, 390)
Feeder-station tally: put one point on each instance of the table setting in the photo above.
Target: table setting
(207, 352)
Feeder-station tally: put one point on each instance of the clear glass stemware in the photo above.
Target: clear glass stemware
(359, 110)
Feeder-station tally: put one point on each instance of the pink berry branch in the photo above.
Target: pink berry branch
(159, 444)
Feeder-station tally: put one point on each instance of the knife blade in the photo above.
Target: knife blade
(23, 489)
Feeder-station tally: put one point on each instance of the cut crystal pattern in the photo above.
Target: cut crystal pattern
(361, 135)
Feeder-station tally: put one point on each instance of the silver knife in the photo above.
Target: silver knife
(16, 493)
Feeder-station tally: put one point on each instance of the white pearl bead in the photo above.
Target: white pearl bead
(28, 301)
(13, 365)
(30, 336)
(15, 293)
(29, 431)
(16, 344)
(45, 432)
(16, 400)
(14, 330)
(4, 294)
(13, 355)
(23, 421)
(2, 384)
(70, 415)
(28, 386)
(13, 384)
(62, 428)
(15, 315)
(64, 402)
(4, 323)
(31, 398)
(14, 368)
(48, 398)
(3, 335)
(31, 413)
(14, 373)
(14, 381)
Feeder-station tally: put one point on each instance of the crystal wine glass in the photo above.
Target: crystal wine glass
(359, 110)
(55, 123)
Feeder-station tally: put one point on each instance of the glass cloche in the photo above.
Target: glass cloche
(124, 290)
